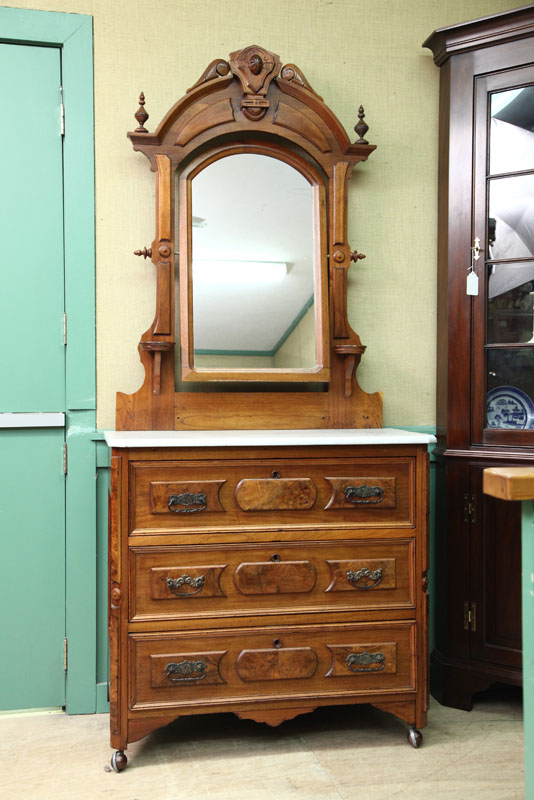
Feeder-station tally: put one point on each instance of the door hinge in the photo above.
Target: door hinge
(470, 507)
(65, 328)
(61, 112)
(65, 653)
(470, 616)
(65, 459)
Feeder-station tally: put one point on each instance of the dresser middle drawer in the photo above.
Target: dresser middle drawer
(177, 582)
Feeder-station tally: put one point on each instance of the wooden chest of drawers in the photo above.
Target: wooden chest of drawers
(266, 580)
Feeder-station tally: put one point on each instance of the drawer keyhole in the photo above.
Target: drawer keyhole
(277, 643)
(275, 474)
(275, 557)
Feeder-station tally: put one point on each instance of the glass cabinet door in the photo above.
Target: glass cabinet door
(503, 332)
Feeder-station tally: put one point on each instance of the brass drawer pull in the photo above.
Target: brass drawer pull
(362, 495)
(354, 577)
(185, 580)
(190, 502)
(186, 671)
(366, 662)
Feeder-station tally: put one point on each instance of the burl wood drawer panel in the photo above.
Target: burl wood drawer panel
(299, 661)
(177, 582)
(276, 492)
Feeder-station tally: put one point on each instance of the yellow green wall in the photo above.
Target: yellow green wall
(299, 347)
(352, 52)
(233, 362)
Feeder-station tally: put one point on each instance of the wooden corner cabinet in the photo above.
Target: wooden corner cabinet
(268, 538)
(485, 378)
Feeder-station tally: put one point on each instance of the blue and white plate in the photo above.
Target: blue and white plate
(509, 407)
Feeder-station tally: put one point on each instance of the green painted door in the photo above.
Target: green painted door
(31, 214)
(32, 485)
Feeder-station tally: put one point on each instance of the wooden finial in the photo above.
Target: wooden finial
(362, 127)
(141, 115)
(146, 252)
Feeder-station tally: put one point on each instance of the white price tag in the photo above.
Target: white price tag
(472, 283)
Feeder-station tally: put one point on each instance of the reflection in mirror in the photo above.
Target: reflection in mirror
(512, 130)
(511, 217)
(511, 303)
(253, 265)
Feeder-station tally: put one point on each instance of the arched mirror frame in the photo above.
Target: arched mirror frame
(322, 327)
(251, 100)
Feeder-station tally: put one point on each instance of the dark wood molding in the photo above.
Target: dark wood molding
(483, 32)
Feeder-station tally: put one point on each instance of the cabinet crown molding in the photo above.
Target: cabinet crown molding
(483, 32)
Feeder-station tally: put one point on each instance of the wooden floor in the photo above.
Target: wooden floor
(332, 754)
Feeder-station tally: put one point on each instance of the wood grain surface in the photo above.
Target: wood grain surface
(266, 494)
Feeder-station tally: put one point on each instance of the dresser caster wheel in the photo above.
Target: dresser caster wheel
(415, 737)
(118, 761)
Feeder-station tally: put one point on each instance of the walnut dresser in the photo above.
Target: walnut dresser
(266, 573)
(268, 538)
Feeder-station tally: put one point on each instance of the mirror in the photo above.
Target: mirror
(255, 266)
(252, 283)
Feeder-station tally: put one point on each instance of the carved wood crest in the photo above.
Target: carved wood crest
(255, 68)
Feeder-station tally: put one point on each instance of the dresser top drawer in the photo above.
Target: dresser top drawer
(281, 492)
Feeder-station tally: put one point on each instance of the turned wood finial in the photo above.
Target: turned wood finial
(355, 256)
(141, 115)
(145, 252)
(361, 127)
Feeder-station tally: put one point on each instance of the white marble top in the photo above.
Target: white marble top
(363, 436)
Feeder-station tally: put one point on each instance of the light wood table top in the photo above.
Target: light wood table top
(509, 483)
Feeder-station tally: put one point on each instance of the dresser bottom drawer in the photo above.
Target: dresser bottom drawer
(227, 666)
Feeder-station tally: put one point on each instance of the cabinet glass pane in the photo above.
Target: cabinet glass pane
(510, 303)
(511, 217)
(511, 133)
(510, 382)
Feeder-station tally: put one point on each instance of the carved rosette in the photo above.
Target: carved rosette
(255, 68)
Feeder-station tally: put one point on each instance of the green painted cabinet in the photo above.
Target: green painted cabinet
(32, 609)
(32, 485)
(31, 219)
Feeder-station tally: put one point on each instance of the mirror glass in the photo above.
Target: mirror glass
(511, 217)
(253, 265)
(512, 130)
(510, 315)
